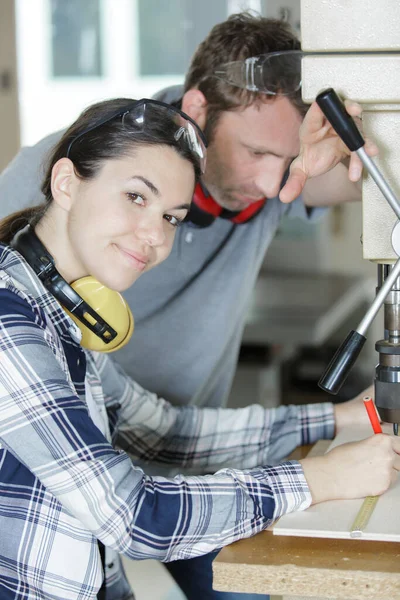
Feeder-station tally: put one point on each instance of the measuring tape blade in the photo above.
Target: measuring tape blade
(363, 516)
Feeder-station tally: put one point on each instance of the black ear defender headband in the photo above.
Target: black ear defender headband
(91, 305)
(204, 210)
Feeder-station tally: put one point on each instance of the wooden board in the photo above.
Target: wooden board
(334, 519)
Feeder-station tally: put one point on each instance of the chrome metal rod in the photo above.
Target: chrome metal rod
(379, 299)
(379, 180)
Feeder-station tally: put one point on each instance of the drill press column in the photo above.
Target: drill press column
(359, 56)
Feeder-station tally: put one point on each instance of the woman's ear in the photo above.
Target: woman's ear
(62, 183)
(194, 104)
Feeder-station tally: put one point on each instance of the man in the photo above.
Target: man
(190, 311)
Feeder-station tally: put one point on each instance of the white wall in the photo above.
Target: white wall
(9, 121)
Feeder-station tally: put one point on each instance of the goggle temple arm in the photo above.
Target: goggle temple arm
(249, 74)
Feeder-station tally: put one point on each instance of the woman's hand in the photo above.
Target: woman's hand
(354, 470)
(352, 412)
(321, 149)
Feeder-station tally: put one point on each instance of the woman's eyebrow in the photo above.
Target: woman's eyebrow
(156, 191)
(150, 185)
(182, 207)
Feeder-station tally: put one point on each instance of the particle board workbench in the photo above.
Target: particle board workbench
(310, 567)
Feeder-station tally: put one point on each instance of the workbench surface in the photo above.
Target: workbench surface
(310, 567)
(325, 568)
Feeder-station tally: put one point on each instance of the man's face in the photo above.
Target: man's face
(250, 150)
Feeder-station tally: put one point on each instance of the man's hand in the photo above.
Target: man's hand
(321, 149)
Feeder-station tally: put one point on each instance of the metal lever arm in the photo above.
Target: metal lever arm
(346, 355)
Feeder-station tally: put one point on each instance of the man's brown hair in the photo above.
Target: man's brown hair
(239, 37)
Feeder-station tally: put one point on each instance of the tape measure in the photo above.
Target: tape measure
(363, 516)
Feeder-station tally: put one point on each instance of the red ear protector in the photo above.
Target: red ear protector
(97, 333)
(204, 210)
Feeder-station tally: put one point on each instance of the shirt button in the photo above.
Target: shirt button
(189, 237)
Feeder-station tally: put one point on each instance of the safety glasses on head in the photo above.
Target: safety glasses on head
(140, 113)
(273, 73)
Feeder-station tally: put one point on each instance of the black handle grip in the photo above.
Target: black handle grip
(334, 110)
(341, 363)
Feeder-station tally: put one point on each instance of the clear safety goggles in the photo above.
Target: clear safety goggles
(141, 112)
(273, 73)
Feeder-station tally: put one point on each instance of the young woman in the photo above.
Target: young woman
(118, 184)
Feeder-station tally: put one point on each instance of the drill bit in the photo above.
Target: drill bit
(396, 428)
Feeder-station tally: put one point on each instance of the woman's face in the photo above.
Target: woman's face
(123, 222)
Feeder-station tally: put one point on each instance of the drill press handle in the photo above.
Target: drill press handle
(344, 125)
(337, 115)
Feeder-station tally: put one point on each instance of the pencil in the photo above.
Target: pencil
(372, 413)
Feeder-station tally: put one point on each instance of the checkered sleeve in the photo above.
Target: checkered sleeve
(152, 429)
(46, 427)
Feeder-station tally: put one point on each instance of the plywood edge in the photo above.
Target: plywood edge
(292, 580)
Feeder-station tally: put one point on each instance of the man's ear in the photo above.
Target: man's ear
(194, 104)
(63, 180)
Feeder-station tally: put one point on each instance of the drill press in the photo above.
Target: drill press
(387, 372)
(356, 48)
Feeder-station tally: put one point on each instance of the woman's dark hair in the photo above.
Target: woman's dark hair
(241, 36)
(110, 140)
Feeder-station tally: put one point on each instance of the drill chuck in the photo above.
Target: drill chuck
(387, 381)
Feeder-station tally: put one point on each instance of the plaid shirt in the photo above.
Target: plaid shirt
(64, 485)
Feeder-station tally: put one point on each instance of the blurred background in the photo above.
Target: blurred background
(58, 56)
(66, 54)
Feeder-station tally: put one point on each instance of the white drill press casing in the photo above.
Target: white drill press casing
(356, 30)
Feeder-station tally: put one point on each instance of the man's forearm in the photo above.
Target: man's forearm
(331, 188)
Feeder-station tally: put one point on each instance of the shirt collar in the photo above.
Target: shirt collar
(13, 265)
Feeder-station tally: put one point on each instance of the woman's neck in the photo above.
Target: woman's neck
(53, 233)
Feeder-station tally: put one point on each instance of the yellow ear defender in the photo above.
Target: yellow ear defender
(102, 315)
(111, 306)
